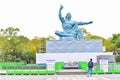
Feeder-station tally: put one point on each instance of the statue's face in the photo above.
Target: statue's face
(68, 16)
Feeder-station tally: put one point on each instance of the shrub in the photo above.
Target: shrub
(117, 58)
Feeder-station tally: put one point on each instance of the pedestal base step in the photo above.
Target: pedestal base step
(71, 72)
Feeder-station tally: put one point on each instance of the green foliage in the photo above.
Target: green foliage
(116, 40)
(117, 58)
(10, 31)
(115, 43)
(88, 35)
(106, 42)
(20, 48)
(11, 44)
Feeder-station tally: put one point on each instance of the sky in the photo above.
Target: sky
(40, 17)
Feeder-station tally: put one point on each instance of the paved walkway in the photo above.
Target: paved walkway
(61, 77)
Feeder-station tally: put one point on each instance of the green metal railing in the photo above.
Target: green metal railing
(59, 66)
(112, 67)
(21, 68)
(11, 63)
(28, 69)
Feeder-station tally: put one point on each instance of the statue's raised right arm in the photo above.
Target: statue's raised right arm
(60, 14)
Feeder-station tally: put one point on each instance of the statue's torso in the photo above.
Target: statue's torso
(68, 26)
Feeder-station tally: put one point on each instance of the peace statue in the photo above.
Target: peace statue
(70, 28)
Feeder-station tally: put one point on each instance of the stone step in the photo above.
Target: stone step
(71, 67)
(71, 72)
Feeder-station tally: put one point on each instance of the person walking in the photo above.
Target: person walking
(90, 66)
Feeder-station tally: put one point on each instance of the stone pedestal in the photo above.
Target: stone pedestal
(74, 46)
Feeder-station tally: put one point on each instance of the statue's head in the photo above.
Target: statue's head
(68, 16)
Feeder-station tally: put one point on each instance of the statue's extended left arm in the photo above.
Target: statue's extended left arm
(85, 23)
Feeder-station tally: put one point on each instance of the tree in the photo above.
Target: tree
(117, 58)
(3, 43)
(17, 48)
(10, 31)
(115, 43)
(11, 44)
(106, 42)
(34, 44)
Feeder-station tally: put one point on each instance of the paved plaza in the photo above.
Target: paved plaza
(61, 77)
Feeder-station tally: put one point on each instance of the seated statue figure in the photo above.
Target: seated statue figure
(70, 28)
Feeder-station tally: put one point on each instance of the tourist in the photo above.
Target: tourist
(90, 66)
